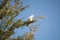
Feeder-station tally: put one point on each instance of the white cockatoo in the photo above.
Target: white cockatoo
(31, 18)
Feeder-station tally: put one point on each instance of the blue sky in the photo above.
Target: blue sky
(49, 27)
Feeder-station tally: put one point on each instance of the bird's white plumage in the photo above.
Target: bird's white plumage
(31, 17)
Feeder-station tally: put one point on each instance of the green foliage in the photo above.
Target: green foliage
(7, 25)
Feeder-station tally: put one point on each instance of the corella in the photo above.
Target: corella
(31, 18)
